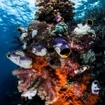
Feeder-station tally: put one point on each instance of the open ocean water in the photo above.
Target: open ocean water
(15, 13)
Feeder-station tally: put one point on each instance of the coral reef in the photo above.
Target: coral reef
(70, 66)
(83, 44)
(74, 94)
(59, 64)
(48, 8)
(98, 73)
(25, 76)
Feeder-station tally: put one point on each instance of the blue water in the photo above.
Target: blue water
(15, 13)
(12, 15)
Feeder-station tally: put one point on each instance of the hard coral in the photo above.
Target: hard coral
(42, 36)
(37, 25)
(49, 6)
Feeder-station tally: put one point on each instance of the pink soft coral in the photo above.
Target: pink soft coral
(26, 77)
(69, 67)
(82, 44)
(47, 88)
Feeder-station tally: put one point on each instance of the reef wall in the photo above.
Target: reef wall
(56, 61)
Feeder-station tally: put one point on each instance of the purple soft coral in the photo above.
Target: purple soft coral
(83, 44)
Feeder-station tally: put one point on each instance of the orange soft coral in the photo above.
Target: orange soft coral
(74, 93)
(38, 62)
(52, 84)
(62, 78)
(92, 99)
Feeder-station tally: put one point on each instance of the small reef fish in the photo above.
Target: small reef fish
(20, 59)
(82, 69)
